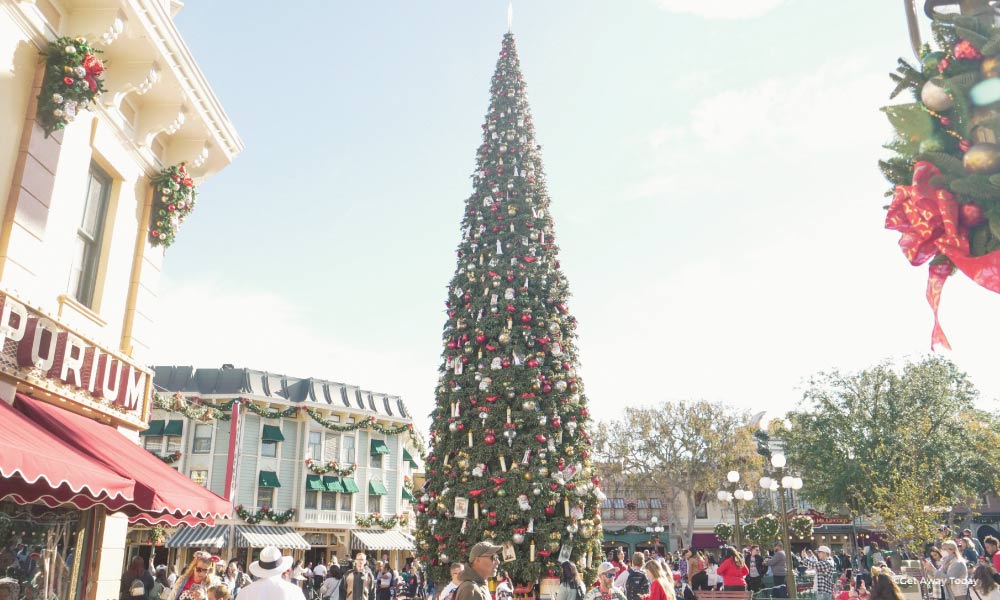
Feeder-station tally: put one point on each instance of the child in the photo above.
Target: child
(218, 591)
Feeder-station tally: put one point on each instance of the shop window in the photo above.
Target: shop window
(312, 500)
(89, 235)
(701, 510)
(265, 496)
(374, 503)
(173, 444)
(345, 501)
(329, 501)
(202, 439)
(349, 449)
(153, 443)
(316, 445)
(200, 476)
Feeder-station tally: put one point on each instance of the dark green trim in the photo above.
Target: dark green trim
(314, 484)
(155, 428)
(272, 433)
(379, 447)
(334, 484)
(408, 496)
(350, 487)
(174, 428)
(376, 487)
(268, 479)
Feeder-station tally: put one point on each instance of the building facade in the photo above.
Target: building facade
(79, 270)
(332, 466)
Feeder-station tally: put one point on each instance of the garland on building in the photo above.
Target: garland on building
(376, 520)
(368, 423)
(946, 168)
(156, 535)
(169, 458)
(71, 83)
(801, 526)
(330, 466)
(174, 190)
(270, 414)
(266, 513)
(724, 531)
(408, 484)
(194, 410)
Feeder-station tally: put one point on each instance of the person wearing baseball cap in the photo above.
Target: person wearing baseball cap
(826, 570)
(271, 585)
(483, 563)
(605, 589)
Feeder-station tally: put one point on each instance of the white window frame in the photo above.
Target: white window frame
(261, 489)
(196, 438)
(310, 445)
(85, 270)
(374, 503)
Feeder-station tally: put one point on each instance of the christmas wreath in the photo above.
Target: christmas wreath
(946, 168)
(723, 531)
(174, 190)
(375, 519)
(330, 466)
(763, 530)
(801, 526)
(266, 513)
(71, 82)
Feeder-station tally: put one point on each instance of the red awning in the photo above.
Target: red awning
(160, 491)
(705, 540)
(40, 467)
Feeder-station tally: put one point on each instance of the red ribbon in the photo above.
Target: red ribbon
(927, 218)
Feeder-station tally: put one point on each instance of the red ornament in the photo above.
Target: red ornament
(966, 51)
(526, 318)
(540, 438)
(480, 338)
(532, 363)
(546, 388)
(556, 422)
(68, 80)
(550, 510)
(505, 363)
(461, 426)
(452, 345)
(970, 214)
(490, 439)
(583, 412)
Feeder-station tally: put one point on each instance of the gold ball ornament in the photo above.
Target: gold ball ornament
(554, 546)
(527, 476)
(990, 67)
(935, 97)
(982, 158)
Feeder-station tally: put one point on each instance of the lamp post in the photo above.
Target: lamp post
(654, 529)
(735, 496)
(784, 482)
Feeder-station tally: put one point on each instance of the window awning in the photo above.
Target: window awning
(407, 495)
(272, 433)
(155, 428)
(377, 539)
(258, 536)
(159, 490)
(333, 484)
(705, 540)
(376, 487)
(379, 447)
(314, 483)
(407, 457)
(268, 479)
(350, 487)
(216, 536)
(174, 427)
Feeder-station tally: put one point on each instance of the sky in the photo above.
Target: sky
(711, 166)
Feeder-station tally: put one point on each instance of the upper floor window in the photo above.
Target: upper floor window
(202, 439)
(153, 443)
(270, 437)
(374, 503)
(316, 445)
(349, 449)
(87, 251)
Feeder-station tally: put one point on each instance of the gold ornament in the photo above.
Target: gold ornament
(527, 475)
(512, 210)
(990, 67)
(463, 463)
(982, 158)
(554, 546)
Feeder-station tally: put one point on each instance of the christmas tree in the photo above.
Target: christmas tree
(510, 458)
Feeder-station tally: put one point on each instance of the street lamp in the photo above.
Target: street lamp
(737, 494)
(654, 529)
(786, 482)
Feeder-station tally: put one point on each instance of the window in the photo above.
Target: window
(374, 503)
(265, 496)
(202, 439)
(173, 444)
(153, 443)
(618, 504)
(316, 445)
(332, 446)
(270, 436)
(376, 461)
(312, 500)
(329, 501)
(87, 251)
(345, 501)
(200, 476)
(269, 449)
(642, 508)
(701, 510)
(349, 449)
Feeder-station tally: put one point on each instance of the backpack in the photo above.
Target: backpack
(636, 585)
(137, 588)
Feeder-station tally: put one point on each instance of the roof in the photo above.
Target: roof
(262, 385)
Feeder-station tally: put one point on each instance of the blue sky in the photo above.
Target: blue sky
(711, 164)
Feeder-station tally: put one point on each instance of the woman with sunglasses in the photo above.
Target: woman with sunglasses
(198, 577)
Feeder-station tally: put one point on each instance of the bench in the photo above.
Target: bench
(721, 595)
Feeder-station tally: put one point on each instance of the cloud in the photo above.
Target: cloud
(721, 9)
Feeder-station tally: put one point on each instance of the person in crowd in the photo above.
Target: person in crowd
(697, 575)
(952, 569)
(884, 586)
(331, 585)
(661, 584)
(171, 576)
(385, 582)
(618, 560)
(605, 588)
(137, 574)
(448, 591)
(777, 563)
(756, 568)
(984, 584)
(10, 582)
(633, 581)
(160, 584)
(969, 552)
(967, 533)
(733, 571)
(712, 571)
(483, 563)
(684, 562)
(220, 567)
(270, 571)
(319, 574)
(358, 584)
(505, 589)
(191, 585)
(992, 548)
(826, 570)
(219, 591)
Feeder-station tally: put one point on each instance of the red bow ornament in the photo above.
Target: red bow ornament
(927, 217)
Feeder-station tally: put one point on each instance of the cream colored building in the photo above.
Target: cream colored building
(76, 206)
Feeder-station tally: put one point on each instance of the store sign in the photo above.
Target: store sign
(39, 350)
(819, 519)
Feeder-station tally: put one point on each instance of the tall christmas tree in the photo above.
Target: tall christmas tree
(511, 452)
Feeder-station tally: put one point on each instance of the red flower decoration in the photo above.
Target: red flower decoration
(92, 64)
(187, 181)
(966, 51)
(91, 82)
(68, 80)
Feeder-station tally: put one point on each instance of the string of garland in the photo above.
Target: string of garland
(271, 414)
(801, 526)
(368, 423)
(174, 189)
(266, 513)
(375, 519)
(330, 466)
(407, 483)
(192, 410)
(73, 79)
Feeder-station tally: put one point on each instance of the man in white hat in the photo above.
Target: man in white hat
(270, 585)
(826, 571)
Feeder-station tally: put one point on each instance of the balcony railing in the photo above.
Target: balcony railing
(326, 517)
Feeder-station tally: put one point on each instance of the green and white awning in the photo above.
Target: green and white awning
(268, 479)
(272, 433)
(377, 488)
(379, 447)
(155, 427)
(258, 536)
(216, 536)
(378, 539)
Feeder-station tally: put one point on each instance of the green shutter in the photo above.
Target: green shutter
(333, 484)
(155, 428)
(376, 487)
(272, 433)
(379, 447)
(268, 479)
(174, 428)
(407, 495)
(350, 487)
(409, 458)
(314, 484)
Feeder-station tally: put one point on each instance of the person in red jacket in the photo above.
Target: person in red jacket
(733, 571)
(661, 584)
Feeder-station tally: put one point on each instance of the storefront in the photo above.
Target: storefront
(71, 472)
(229, 541)
(392, 545)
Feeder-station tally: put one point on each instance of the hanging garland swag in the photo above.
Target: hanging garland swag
(73, 79)
(174, 191)
(265, 514)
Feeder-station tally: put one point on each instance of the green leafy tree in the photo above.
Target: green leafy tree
(510, 431)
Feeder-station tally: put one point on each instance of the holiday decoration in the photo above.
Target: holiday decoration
(173, 194)
(266, 513)
(801, 526)
(946, 168)
(157, 534)
(330, 466)
(376, 520)
(197, 411)
(723, 531)
(73, 79)
(763, 531)
(169, 458)
(510, 429)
